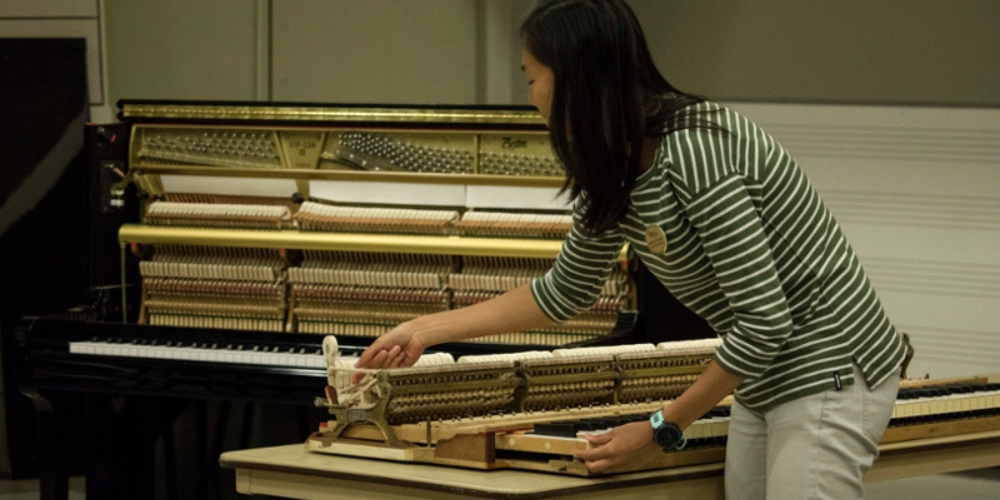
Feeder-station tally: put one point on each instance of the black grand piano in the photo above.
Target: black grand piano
(151, 422)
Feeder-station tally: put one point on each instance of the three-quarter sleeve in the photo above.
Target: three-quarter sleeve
(574, 282)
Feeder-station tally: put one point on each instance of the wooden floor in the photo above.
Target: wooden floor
(981, 484)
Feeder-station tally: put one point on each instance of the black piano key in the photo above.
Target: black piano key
(717, 412)
(584, 425)
(610, 422)
(557, 429)
(628, 419)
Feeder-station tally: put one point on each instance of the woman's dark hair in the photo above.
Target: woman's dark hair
(608, 96)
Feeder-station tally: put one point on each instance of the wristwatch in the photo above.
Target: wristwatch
(666, 434)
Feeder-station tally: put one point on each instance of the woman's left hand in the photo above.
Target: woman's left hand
(625, 447)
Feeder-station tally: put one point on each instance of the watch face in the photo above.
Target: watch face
(668, 435)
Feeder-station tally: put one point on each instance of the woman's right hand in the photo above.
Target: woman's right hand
(513, 311)
(398, 347)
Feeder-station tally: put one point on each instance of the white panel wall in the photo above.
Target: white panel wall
(907, 52)
(182, 49)
(41, 9)
(917, 190)
(376, 51)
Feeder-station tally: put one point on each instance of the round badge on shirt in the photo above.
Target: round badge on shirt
(656, 240)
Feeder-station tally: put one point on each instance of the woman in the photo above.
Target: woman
(723, 216)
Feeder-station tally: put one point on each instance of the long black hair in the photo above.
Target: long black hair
(608, 97)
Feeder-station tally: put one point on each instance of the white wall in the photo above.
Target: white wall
(415, 51)
(182, 49)
(917, 192)
(904, 52)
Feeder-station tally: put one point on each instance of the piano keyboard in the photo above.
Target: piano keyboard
(292, 355)
(205, 352)
(955, 399)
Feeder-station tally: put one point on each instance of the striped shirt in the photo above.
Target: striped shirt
(752, 249)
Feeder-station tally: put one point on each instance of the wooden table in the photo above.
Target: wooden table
(292, 472)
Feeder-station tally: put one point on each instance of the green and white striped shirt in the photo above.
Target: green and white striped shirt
(753, 250)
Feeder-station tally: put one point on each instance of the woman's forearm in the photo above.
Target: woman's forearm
(714, 384)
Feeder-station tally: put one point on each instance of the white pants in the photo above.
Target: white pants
(813, 448)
